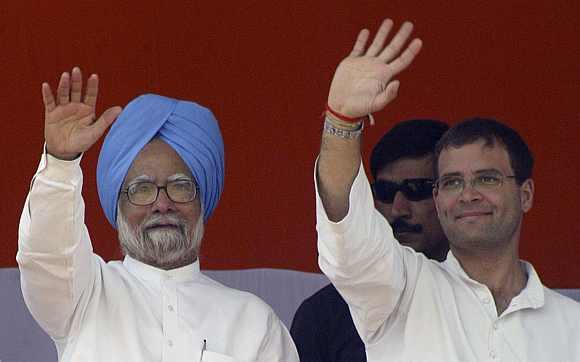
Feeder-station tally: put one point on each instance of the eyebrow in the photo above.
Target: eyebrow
(478, 172)
(141, 178)
(487, 170)
(179, 176)
(147, 178)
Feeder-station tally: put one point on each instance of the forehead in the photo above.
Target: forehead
(158, 161)
(474, 157)
(407, 168)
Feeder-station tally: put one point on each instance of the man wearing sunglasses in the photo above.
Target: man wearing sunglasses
(401, 164)
(482, 303)
(402, 167)
(159, 177)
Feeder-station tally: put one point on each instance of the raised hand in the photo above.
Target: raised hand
(363, 82)
(70, 127)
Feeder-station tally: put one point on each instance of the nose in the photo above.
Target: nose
(163, 204)
(469, 193)
(401, 206)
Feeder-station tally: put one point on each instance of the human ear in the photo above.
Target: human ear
(527, 194)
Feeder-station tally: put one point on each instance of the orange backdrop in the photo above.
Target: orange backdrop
(264, 68)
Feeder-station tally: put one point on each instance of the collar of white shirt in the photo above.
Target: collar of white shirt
(532, 296)
(150, 273)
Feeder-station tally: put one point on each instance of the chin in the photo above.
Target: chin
(176, 262)
(166, 248)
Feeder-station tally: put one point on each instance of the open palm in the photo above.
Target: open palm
(70, 127)
(363, 82)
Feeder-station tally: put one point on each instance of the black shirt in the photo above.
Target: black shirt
(323, 330)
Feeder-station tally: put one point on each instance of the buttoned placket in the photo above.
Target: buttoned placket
(488, 304)
(170, 321)
(495, 340)
(495, 337)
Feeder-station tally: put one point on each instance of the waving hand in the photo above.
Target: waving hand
(70, 125)
(363, 82)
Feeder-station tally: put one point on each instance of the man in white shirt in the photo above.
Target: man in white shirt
(159, 177)
(401, 165)
(483, 302)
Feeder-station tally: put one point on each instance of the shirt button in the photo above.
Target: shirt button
(170, 343)
(170, 308)
(492, 354)
(486, 300)
(495, 326)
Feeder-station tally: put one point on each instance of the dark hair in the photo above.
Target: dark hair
(491, 132)
(408, 139)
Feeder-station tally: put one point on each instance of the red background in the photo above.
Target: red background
(264, 68)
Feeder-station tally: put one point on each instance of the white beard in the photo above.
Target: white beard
(165, 248)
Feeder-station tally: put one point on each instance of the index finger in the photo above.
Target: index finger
(406, 58)
(92, 91)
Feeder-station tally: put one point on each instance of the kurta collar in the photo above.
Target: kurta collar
(532, 296)
(144, 271)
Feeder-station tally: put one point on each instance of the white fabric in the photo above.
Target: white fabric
(20, 331)
(129, 311)
(408, 308)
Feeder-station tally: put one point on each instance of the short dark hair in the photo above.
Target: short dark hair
(413, 138)
(491, 132)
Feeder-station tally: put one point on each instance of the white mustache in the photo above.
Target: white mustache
(157, 220)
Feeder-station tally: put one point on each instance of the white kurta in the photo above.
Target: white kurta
(409, 308)
(128, 311)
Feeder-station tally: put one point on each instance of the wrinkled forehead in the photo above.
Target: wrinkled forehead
(157, 162)
(473, 157)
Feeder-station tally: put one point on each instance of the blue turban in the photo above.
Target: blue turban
(190, 129)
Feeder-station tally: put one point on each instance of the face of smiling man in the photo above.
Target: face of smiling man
(164, 234)
(481, 217)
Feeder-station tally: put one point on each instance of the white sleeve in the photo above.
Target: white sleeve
(362, 258)
(54, 250)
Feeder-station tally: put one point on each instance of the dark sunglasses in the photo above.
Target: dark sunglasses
(414, 189)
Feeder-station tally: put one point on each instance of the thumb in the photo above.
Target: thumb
(387, 96)
(106, 119)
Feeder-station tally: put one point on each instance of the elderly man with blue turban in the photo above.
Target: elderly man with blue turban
(159, 175)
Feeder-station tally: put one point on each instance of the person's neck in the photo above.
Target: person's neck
(499, 269)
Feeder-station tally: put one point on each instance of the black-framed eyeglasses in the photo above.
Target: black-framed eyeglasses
(482, 182)
(414, 189)
(145, 193)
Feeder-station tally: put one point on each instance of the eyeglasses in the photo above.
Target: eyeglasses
(487, 181)
(146, 193)
(414, 189)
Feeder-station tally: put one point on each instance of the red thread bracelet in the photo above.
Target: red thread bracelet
(342, 117)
